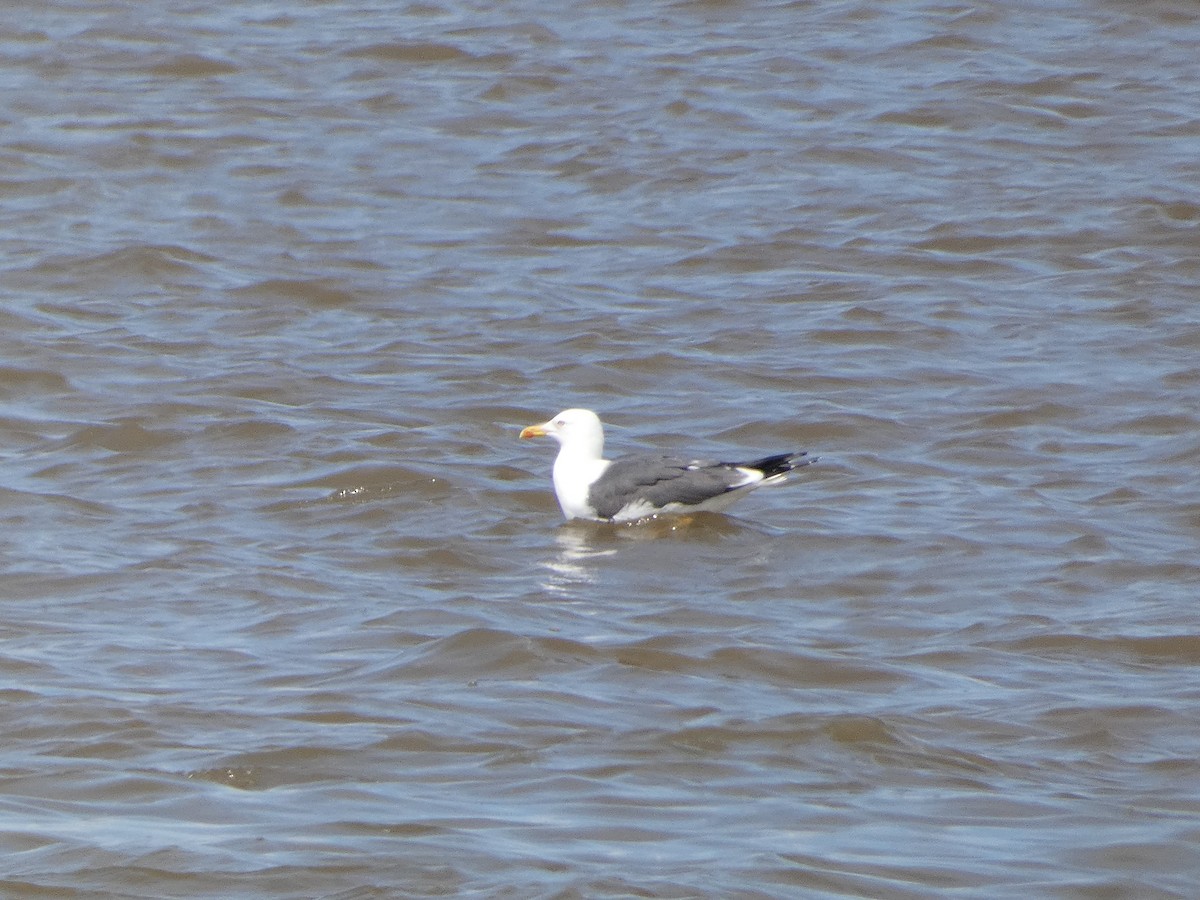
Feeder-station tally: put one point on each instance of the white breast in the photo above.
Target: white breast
(572, 478)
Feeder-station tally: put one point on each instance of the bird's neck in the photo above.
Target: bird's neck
(578, 460)
(582, 451)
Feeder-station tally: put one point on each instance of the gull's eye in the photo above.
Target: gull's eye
(561, 423)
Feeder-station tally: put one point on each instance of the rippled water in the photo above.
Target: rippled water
(288, 611)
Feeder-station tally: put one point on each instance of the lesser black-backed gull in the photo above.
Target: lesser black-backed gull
(589, 486)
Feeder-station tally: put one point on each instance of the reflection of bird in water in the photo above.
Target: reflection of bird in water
(579, 543)
(636, 487)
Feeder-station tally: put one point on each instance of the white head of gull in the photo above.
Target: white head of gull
(636, 487)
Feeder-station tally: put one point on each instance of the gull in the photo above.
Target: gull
(588, 486)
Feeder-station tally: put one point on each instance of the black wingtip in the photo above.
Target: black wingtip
(781, 463)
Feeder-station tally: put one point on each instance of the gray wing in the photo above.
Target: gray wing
(659, 481)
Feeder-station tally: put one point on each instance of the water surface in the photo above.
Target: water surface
(288, 610)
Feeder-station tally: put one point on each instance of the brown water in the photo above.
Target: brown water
(288, 611)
